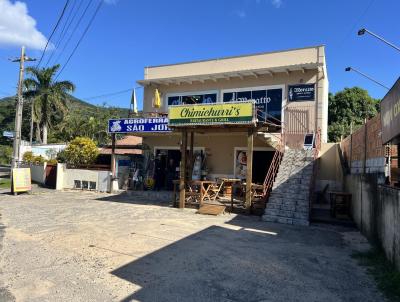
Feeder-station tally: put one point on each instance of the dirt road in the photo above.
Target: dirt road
(69, 246)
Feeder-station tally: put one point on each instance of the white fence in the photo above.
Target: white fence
(82, 179)
(38, 172)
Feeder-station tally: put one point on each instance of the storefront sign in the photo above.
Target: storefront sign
(301, 92)
(211, 114)
(137, 125)
(21, 178)
(390, 115)
(268, 102)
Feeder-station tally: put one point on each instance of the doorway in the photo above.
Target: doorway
(261, 161)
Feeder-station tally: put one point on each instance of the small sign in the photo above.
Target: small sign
(138, 125)
(21, 178)
(212, 114)
(301, 92)
(390, 115)
(9, 134)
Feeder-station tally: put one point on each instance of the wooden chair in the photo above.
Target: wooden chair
(213, 191)
(191, 195)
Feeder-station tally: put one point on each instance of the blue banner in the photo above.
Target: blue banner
(138, 125)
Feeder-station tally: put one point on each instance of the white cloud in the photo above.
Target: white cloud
(17, 28)
(276, 3)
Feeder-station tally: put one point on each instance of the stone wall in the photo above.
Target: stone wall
(376, 211)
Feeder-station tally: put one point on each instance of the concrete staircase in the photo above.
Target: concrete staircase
(289, 200)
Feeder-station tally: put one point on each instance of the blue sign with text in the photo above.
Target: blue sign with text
(138, 125)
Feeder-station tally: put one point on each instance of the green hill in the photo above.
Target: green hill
(77, 109)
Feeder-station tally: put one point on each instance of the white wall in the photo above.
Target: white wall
(70, 175)
(38, 174)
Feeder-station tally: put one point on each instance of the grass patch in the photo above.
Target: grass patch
(384, 272)
(5, 183)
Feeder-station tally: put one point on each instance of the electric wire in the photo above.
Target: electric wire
(63, 33)
(52, 33)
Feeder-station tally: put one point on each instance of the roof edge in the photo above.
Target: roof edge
(237, 56)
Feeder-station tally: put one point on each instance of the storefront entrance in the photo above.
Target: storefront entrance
(261, 162)
(166, 168)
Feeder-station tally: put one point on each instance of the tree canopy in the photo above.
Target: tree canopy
(49, 97)
(349, 107)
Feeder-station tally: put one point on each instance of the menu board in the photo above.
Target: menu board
(21, 179)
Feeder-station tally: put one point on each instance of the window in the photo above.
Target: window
(268, 102)
(200, 98)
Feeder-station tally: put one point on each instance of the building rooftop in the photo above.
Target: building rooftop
(300, 59)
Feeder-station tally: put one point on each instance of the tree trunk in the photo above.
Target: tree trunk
(37, 133)
(44, 133)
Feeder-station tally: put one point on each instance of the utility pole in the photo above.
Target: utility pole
(18, 111)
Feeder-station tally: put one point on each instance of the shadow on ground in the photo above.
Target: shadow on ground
(158, 198)
(248, 260)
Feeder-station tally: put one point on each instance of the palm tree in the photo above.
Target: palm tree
(49, 97)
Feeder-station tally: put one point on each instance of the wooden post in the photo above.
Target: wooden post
(191, 159)
(113, 166)
(182, 171)
(249, 172)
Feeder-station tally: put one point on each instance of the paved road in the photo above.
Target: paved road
(96, 247)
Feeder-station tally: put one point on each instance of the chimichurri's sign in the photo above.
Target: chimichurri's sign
(301, 92)
(211, 114)
(132, 125)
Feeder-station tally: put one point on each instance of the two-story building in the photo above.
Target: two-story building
(289, 88)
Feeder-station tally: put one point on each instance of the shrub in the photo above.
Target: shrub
(52, 161)
(38, 159)
(28, 157)
(81, 151)
(61, 158)
(5, 154)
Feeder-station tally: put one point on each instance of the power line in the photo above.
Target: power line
(108, 94)
(52, 33)
(68, 22)
(356, 22)
(80, 40)
(74, 30)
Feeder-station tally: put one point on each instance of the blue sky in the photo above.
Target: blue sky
(128, 35)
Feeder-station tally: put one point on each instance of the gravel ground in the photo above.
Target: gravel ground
(70, 246)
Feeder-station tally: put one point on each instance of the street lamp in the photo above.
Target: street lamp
(366, 76)
(362, 31)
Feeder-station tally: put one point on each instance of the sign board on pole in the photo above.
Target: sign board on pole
(390, 115)
(9, 134)
(21, 178)
(301, 92)
(138, 125)
(234, 113)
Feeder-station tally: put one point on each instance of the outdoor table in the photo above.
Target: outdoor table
(201, 184)
(254, 188)
(228, 184)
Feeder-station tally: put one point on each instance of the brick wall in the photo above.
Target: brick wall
(364, 147)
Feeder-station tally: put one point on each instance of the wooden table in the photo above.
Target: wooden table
(202, 184)
(228, 184)
(199, 186)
